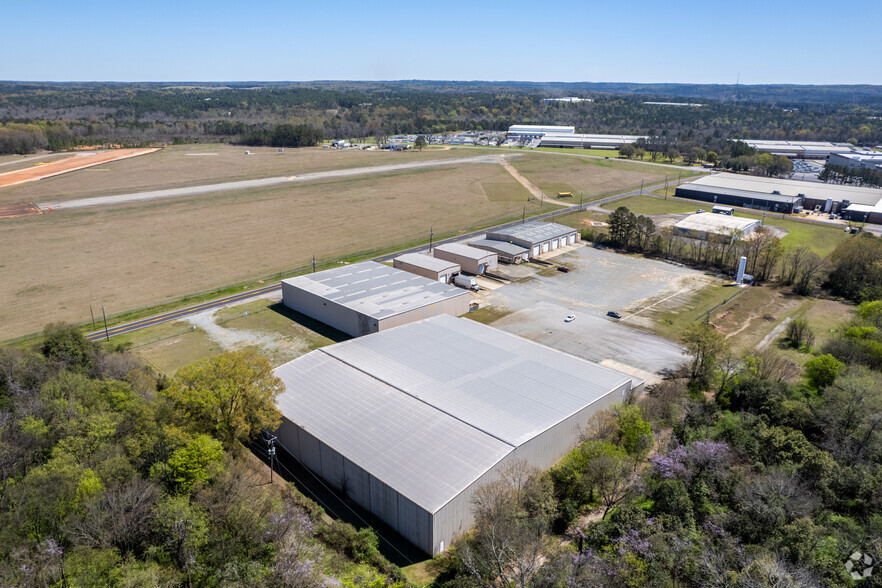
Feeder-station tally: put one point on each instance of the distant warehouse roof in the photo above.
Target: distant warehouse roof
(587, 141)
(539, 129)
(789, 188)
(720, 224)
(800, 148)
(500, 247)
(463, 251)
(532, 232)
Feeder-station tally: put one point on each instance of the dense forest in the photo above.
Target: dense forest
(62, 116)
(112, 476)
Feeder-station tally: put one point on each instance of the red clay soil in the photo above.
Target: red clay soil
(68, 164)
(19, 209)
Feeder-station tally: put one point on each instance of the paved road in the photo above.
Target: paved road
(259, 183)
(175, 315)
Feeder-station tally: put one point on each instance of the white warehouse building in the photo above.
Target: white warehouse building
(434, 268)
(369, 297)
(536, 236)
(410, 422)
(703, 224)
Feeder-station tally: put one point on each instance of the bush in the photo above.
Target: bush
(799, 334)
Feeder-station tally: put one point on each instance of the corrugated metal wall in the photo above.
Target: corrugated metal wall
(456, 306)
(415, 269)
(404, 516)
(323, 310)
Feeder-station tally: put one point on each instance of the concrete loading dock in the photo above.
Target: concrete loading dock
(506, 252)
(471, 260)
(537, 237)
(369, 297)
(410, 435)
(433, 268)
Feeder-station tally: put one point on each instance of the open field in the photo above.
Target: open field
(74, 162)
(820, 238)
(136, 255)
(650, 205)
(590, 178)
(191, 165)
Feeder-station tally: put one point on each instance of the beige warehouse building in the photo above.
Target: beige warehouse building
(433, 268)
(470, 259)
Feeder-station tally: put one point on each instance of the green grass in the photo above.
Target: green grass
(170, 346)
(505, 192)
(671, 323)
(487, 314)
(822, 239)
(650, 205)
(274, 318)
(574, 219)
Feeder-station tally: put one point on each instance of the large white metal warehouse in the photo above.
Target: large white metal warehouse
(506, 252)
(427, 266)
(472, 260)
(706, 223)
(537, 237)
(574, 141)
(368, 297)
(409, 422)
(539, 130)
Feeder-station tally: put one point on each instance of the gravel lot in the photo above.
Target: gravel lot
(599, 281)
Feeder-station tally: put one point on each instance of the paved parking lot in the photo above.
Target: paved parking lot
(599, 281)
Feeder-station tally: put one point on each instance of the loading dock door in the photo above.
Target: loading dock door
(442, 278)
(554, 244)
(481, 268)
(545, 247)
(535, 250)
(572, 239)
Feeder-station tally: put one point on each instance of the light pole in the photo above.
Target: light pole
(271, 451)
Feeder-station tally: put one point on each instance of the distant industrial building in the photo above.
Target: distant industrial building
(801, 149)
(680, 104)
(506, 252)
(538, 130)
(778, 195)
(471, 260)
(434, 268)
(369, 297)
(566, 99)
(537, 237)
(859, 159)
(573, 141)
(409, 423)
(703, 224)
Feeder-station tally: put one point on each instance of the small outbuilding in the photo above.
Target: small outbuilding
(369, 297)
(433, 268)
(470, 259)
(703, 224)
(536, 236)
(506, 252)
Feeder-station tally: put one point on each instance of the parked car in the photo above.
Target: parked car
(614, 314)
(570, 318)
(563, 268)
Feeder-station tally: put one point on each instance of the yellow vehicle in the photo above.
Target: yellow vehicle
(564, 194)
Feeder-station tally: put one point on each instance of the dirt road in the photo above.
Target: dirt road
(69, 164)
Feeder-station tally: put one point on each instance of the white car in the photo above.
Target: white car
(570, 318)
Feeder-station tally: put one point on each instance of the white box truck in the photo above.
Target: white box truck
(466, 282)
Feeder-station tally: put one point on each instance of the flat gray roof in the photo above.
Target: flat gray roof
(533, 231)
(430, 263)
(502, 246)
(710, 222)
(814, 190)
(430, 406)
(374, 289)
(464, 251)
(756, 195)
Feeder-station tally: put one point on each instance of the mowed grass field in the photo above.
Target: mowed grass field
(590, 178)
(10, 163)
(140, 255)
(195, 165)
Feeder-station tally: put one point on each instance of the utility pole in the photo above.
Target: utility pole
(666, 186)
(524, 218)
(106, 334)
(271, 451)
(431, 234)
(580, 201)
(93, 317)
(641, 187)
(313, 263)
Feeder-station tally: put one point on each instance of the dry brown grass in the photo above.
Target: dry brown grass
(172, 167)
(131, 256)
(590, 177)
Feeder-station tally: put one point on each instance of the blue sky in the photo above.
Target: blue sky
(803, 42)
